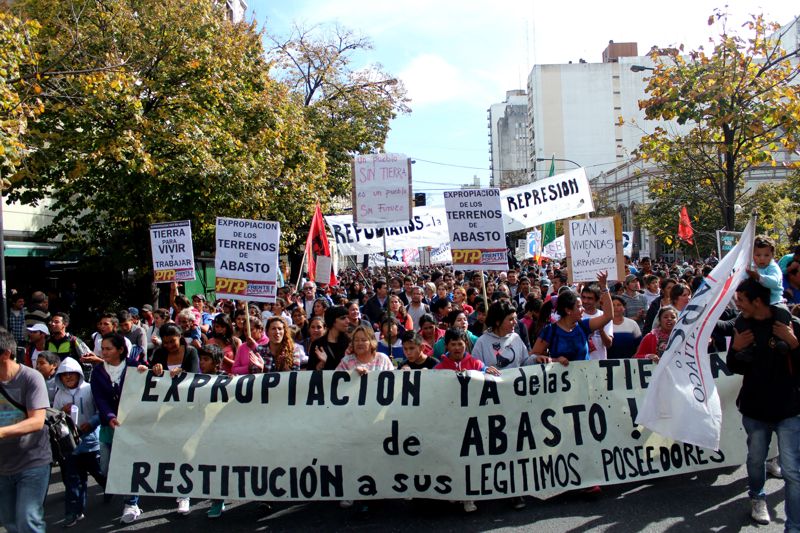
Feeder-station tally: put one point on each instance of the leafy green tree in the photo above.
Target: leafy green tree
(350, 109)
(177, 118)
(19, 98)
(741, 110)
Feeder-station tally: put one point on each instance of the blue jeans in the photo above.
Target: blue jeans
(759, 435)
(22, 500)
(75, 470)
(105, 460)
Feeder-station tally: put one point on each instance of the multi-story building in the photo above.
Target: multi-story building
(574, 111)
(508, 141)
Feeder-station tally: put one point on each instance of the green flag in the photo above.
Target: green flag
(549, 228)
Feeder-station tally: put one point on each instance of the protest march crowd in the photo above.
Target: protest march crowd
(399, 319)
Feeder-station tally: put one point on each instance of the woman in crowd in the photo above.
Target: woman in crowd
(390, 344)
(300, 320)
(396, 310)
(319, 307)
(249, 359)
(627, 334)
(568, 339)
(107, 381)
(666, 285)
(501, 347)
(460, 300)
(654, 343)
(222, 336)
(316, 330)
(364, 356)
(174, 355)
(279, 309)
(354, 317)
(281, 354)
(430, 333)
(680, 294)
(327, 351)
(455, 319)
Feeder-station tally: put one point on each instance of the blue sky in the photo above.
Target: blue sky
(457, 58)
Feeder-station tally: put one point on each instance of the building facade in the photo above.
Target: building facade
(508, 141)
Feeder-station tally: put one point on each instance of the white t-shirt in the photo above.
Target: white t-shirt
(599, 351)
(98, 341)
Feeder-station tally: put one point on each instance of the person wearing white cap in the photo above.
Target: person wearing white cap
(37, 342)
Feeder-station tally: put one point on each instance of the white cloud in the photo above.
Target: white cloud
(430, 79)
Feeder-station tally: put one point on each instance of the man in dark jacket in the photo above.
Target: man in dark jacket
(376, 306)
(769, 399)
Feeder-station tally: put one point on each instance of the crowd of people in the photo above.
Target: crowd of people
(434, 318)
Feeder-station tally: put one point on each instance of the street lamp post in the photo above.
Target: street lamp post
(640, 68)
(541, 159)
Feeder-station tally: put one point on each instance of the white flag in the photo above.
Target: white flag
(682, 401)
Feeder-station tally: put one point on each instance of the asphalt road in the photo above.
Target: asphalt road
(708, 501)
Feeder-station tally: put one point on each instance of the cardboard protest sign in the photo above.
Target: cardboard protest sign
(426, 227)
(556, 249)
(534, 244)
(726, 240)
(173, 255)
(536, 430)
(381, 191)
(592, 248)
(561, 196)
(475, 224)
(247, 259)
(627, 243)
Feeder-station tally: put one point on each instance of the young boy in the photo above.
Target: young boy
(768, 274)
(456, 357)
(73, 392)
(210, 361)
(415, 359)
(47, 365)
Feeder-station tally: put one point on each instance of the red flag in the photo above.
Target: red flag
(685, 231)
(317, 244)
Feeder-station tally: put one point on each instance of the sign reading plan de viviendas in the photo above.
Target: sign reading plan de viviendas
(247, 259)
(381, 189)
(475, 223)
(173, 256)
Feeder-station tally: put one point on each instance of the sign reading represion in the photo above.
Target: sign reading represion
(173, 255)
(381, 189)
(554, 198)
(247, 259)
(475, 223)
(536, 430)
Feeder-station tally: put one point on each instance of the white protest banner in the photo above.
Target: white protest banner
(173, 255)
(590, 248)
(556, 249)
(475, 223)
(534, 244)
(537, 430)
(247, 259)
(412, 257)
(381, 189)
(627, 243)
(682, 388)
(561, 196)
(427, 227)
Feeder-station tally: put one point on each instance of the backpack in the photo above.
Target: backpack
(61, 429)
